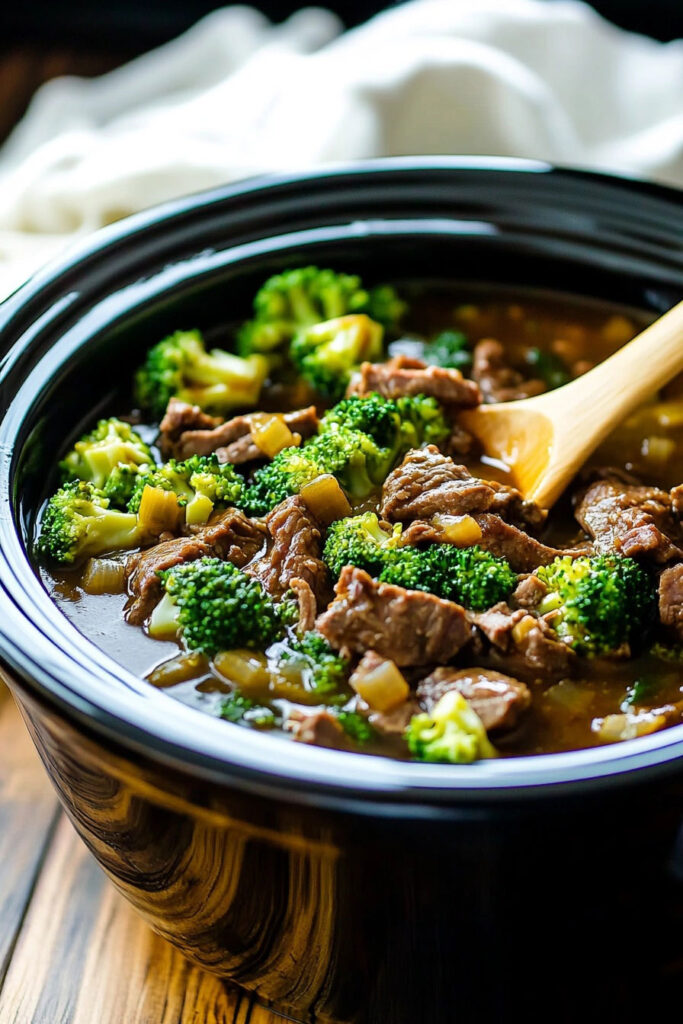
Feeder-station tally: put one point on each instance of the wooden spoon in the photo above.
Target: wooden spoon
(545, 440)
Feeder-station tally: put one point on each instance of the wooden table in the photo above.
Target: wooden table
(71, 949)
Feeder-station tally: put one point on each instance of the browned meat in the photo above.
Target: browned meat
(408, 626)
(317, 727)
(524, 553)
(405, 376)
(677, 501)
(498, 381)
(180, 417)
(531, 647)
(428, 483)
(671, 599)
(499, 700)
(229, 535)
(231, 440)
(529, 592)
(308, 606)
(461, 442)
(394, 722)
(295, 551)
(629, 519)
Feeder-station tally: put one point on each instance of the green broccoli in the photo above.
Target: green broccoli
(470, 576)
(598, 603)
(121, 482)
(356, 726)
(672, 653)
(78, 522)
(218, 607)
(201, 483)
(180, 366)
(397, 425)
(452, 732)
(450, 349)
(289, 471)
(299, 298)
(548, 367)
(323, 671)
(243, 711)
(326, 354)
(360, 541)
(112, 449)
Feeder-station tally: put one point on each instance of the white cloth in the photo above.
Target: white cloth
(236, 95)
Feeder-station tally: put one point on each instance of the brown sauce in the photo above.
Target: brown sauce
(649, 444)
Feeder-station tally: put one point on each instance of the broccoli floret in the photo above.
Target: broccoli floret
(326, 354)
(450, 349)
(451, 732)
(108, 458)
(548, 367)
(78, 523)
(296, 299)
(323, 670)
(360, 541)
(397, 425)
(241, 710)
(471, 576)
(356, 726)
(599, 603)
(199, 477)
(180, 366)
(221, 608)
(667, 652)
(289, 471)
(121, 483)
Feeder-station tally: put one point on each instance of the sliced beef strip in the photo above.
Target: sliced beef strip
(181, 417)
(534, 650)
(317, 727)
(405, 376)
(497, 380)
(294, 552)
(529, 592)
(671, 599)
(394, 722)
(677, 502)
(498, 699)
(231, 440)
(524, 553)
(624, 517)
(408, 626)
(428, 483)
(308, 605)
(229, 535)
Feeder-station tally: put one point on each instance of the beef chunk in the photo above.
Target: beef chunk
(405, 376)
(498, 699)
(671, 599)
(528, 643)
(498, 381)
(308, 605)
(179, 418)
(629, 519)
(231, 440)
(294, 552)
(229, 535)
(394, 722)
(317, 727)
(408, 626)
(530, 592)
(429, 483)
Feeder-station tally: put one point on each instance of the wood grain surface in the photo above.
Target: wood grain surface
(71, 949)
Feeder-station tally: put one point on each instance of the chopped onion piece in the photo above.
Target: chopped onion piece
(463, 531)
(198, 510)
(188, 665)
(271, 434)
(382, 687)
(326, 499)
(159, 510)
(247, 669)
(614, 728)
(104, 576)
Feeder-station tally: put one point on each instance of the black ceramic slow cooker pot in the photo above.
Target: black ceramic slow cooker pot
(336, 886)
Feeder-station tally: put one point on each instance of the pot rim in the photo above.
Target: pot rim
(56, 662)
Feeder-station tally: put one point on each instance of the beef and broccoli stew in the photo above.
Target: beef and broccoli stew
(295, 534)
